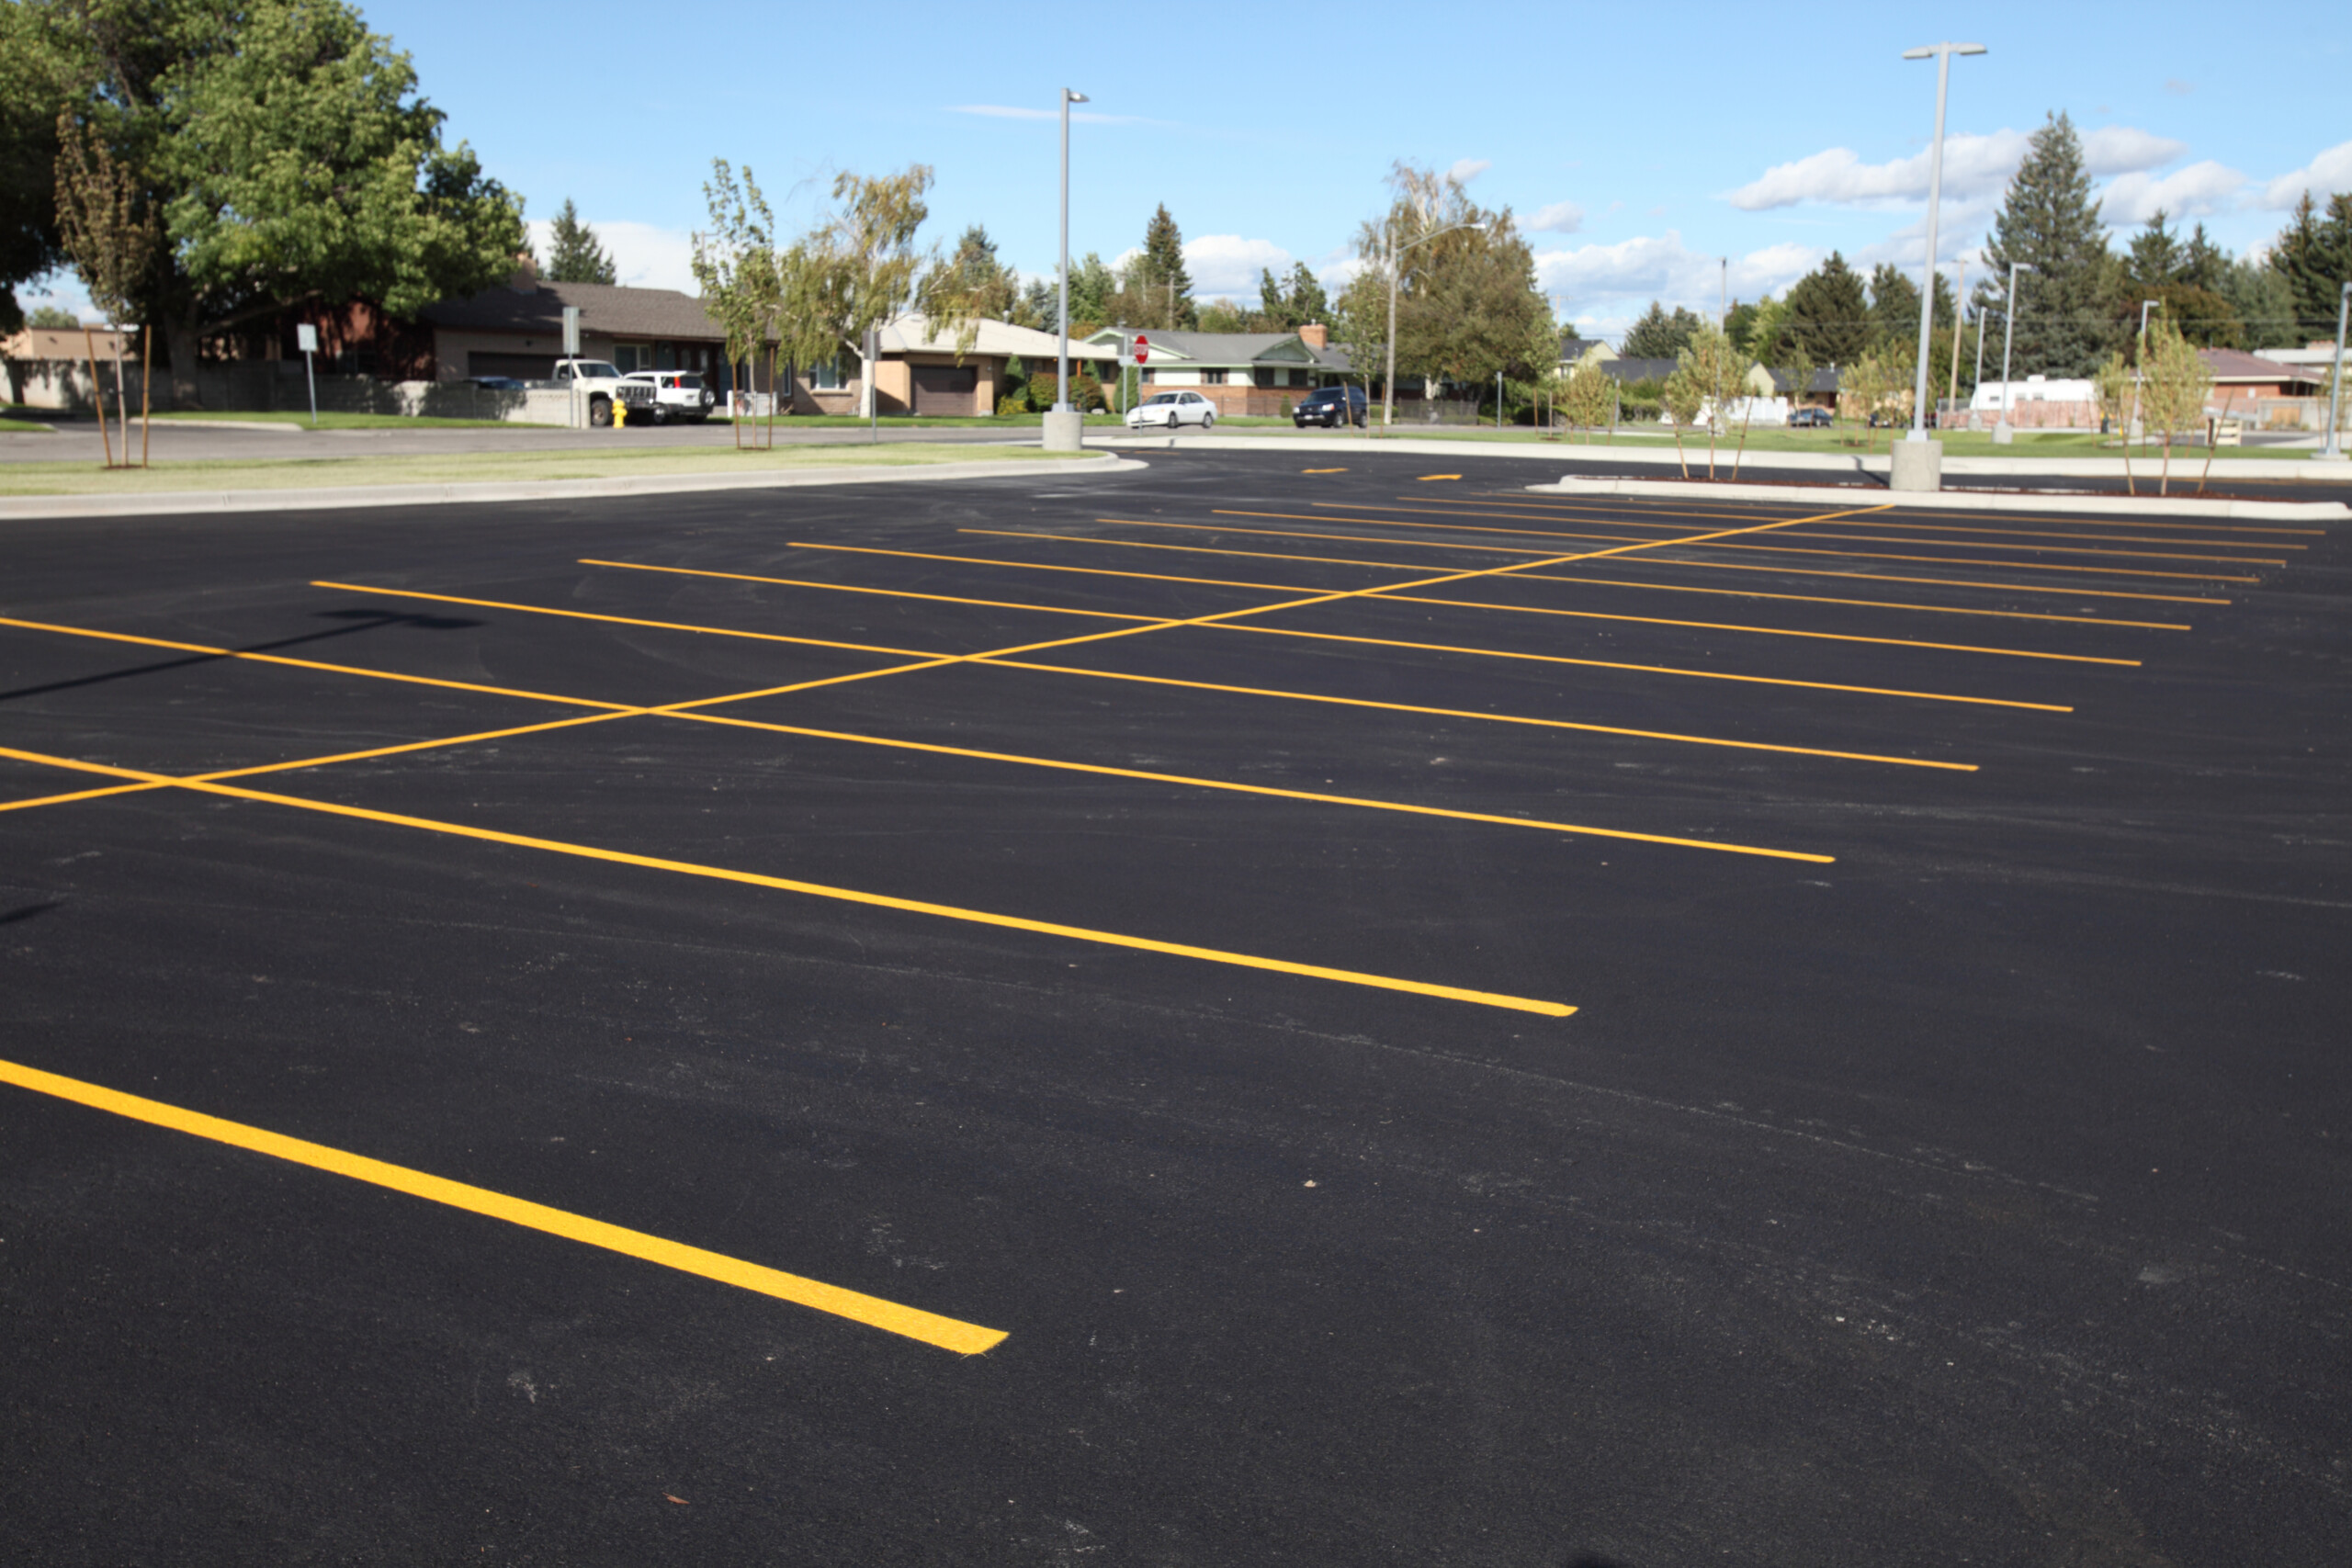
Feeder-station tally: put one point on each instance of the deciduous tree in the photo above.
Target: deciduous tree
(2175, 385)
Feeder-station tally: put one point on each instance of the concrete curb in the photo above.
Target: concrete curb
(2308, 471)
(1955, 500)
(181, 503)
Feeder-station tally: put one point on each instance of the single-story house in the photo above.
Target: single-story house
(1577, 352)
(1241, 373)
(517, 331)
(921, 373)
(2241, 378)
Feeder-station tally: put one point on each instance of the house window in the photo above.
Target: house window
(665, 356)
(631, 356)
(1212, 377)
(1266, 375)
(825, 375)
(1148, 375)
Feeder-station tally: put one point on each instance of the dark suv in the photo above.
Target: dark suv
(1330, 406)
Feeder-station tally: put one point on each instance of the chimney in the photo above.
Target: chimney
(1315, 335)
(526, 276)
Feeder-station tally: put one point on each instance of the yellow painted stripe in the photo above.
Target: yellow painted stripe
(1206, 551)
(947, 1333)
(1322, 470)
(1426, 478)
(853, 588)
(619, 620)
(1580, 508)
(1490, 717)
(1647, 669)
(687, 711)
(1413, 599)
(1193, 782)
(2064, 550)
(1592, 582)
(1955, 527)
(815, 889)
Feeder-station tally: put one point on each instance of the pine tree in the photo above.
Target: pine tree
(2048, 223)
(2264, 301)
(2155, 258)
(1828, 314)
(573, 254)
(1660, 336)
(2315, 255)
(1164, 260)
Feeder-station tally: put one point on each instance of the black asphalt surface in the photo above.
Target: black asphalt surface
(1976, 1196)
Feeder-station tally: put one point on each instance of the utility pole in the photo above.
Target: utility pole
(1959, 303)
(1942, 54)
(2333, 446)
(2002, 434)
(1064, 431)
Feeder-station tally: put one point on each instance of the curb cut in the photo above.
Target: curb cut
(179, 503)
(1956, 500)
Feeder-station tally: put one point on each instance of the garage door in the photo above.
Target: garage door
(946, 388)
(522, 366)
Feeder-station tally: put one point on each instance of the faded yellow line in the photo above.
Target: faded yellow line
(1322, 470)
(1647, 669)
(887, 592)
(1592, 582)
(621, 620)
(2068, 589)
(1206, 551)
(814, 890)
(912, 1323)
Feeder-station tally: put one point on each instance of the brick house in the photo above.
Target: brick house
(1241, 373)
(2242, 377)
(517, 331)
(920, 373)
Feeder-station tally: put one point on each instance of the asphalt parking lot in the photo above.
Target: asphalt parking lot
(1264, 1010)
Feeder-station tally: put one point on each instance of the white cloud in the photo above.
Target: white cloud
(1603, 283)
(1228, 264)
(2324, 177)
(1974, 164)
(643, 257)
(1013, 111)
(2193, 192)
(1560, 218)
(2179, 88)
(1468, 169)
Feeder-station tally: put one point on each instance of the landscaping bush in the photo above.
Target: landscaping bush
(1011, 404)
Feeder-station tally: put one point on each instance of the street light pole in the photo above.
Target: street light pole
(1388, 385)
(1942, 53)
(1061, 384)
(2333, 446)
(2139, 369)
(2001, 432)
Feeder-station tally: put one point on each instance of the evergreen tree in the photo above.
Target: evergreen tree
(2263, 301)
(1660, 336)
(2155, 258)
(1162, 264)
(1828, 314)
(2048, 223)
(2203, 264)
(2315, 255)
(573, 254)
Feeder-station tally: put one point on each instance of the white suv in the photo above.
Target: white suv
(1172, 409)
(677, 394)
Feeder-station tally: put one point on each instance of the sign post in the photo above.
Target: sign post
(572, 351)
(306, 338)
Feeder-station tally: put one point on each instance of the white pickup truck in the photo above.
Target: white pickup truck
(677, 394)
(601, 385)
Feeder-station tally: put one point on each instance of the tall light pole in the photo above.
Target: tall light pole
(1958, 323)
(1388, 386)
(2333, 446)
(2002, 434)
(1942, 53)
(1061, 386)
(2139, 368)
(1979, 378)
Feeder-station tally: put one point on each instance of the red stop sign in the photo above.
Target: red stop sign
(1143, 348)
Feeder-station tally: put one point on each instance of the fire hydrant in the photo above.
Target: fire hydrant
(620, 412)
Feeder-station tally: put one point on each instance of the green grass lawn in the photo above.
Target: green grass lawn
(17, 420)
(337, 421)
(462, 468)
(930, 422)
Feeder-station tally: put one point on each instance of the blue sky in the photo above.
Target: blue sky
(1640, 145)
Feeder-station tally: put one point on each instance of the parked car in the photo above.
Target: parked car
(602, 384)
(677, 394)
(1809, 417)
(1332, 406)
(1168, 410)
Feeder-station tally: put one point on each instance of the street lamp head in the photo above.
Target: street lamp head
(1071, 96)
(1934, 50)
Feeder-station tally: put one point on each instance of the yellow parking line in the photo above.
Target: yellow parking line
(1577, 508)
(1590, 581)
(852, 588)
(1647, 669)
(620, 620)
(814, 890)
(1322, 470)
(947, 1333)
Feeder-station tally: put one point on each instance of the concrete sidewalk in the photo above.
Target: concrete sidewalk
(1953, 500)
(345, 497)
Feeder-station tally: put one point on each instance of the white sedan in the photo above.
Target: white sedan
(1169, 410)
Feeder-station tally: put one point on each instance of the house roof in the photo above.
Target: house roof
(1232, 349)
(2236, 365)
(911, 333)
(1822, 380)
(1624, 369)
(606, 309)
(1578, 347)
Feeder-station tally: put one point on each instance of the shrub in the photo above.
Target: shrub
(1012, 405)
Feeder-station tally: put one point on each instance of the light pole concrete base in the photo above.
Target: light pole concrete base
(1065, 430)
(1917, 465)
(2004, 434)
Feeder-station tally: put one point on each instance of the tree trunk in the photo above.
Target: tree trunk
(179, 348)
(2163, 481)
